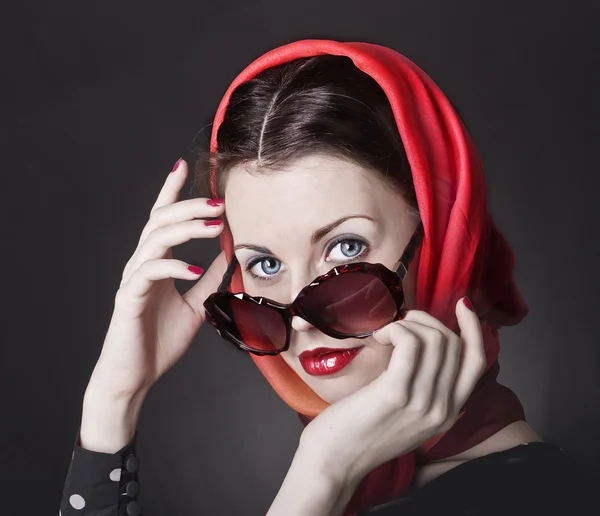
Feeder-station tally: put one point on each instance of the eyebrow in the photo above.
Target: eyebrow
(316, 236)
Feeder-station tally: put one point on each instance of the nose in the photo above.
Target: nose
(300, 324)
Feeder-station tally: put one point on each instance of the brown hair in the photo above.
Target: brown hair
(318, 104)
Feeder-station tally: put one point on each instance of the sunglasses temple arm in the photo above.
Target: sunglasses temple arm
(226, 281)
(410, 250)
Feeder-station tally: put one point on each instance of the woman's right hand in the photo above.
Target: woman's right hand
(152, 324)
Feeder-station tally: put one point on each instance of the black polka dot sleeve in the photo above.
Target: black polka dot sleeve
(102, 484)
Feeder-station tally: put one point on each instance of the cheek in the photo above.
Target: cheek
(292, 361)
(376, 358)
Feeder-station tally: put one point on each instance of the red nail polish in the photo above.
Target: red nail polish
(215, 202)
(214, 222)
(195, 270)
(468, 303)
(176, 165)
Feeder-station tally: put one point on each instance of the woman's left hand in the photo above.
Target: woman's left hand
(431, 374)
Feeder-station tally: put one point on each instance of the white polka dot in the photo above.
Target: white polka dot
(115, 474)
(77, 501)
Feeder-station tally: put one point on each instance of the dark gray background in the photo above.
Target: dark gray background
(100, 100)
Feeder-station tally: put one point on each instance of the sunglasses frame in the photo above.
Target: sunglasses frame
(392, 279)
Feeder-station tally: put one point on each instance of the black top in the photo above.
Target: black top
(532, 479)
(535, 479)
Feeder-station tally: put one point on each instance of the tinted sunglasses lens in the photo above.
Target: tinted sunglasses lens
(350, 303)
(259, 327)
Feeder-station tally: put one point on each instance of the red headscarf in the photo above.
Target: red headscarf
(462, 252)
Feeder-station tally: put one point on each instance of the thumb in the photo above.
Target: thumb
(207, 284)
(473, 360)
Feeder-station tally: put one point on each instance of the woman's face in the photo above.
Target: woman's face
(286, 229)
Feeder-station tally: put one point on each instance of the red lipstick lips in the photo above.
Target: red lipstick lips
(324, 361)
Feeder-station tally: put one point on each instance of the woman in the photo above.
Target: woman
(327, 157)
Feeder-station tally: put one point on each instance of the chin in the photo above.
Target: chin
(341, 389)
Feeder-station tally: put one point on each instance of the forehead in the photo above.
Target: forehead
(303, 196)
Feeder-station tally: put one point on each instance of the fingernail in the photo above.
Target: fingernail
(214, 222)
(215, 202)
(195, 270)
(176, 165)
(468, 303)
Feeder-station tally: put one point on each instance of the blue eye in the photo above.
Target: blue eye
(347, 250)
(264, 267)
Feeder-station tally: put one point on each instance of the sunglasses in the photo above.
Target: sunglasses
(350, 301)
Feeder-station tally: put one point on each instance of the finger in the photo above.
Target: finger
(209, 283)
(427, 319)
(383, 335)
(181, 211)
(168, 195)
(162, 239)
(433, 352)
(151, 271)
(449, 368)
(171, 189)
(472, 360)
(444, 387)
(397, 379)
